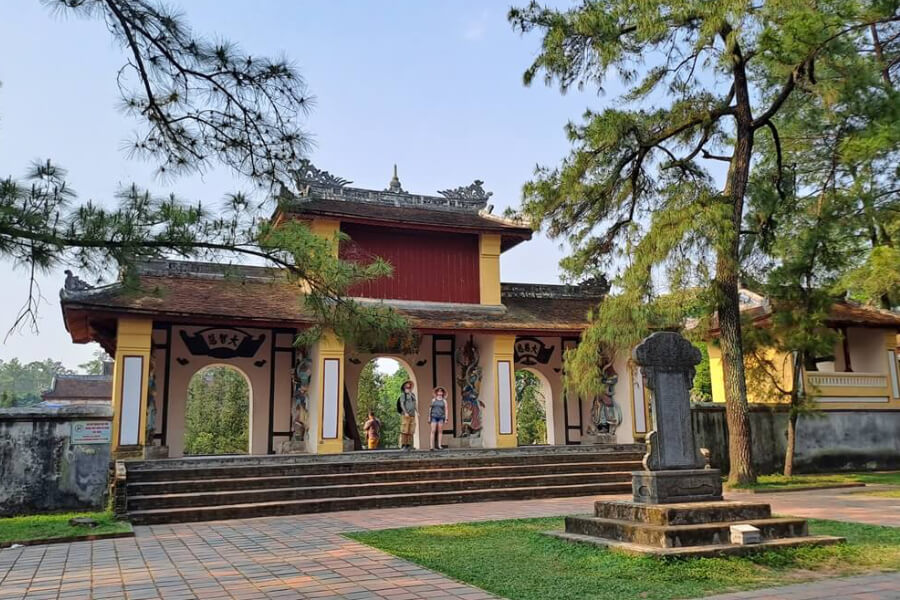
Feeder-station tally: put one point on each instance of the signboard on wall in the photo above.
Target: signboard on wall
(91, 432)
(531, 351)
(222, 342)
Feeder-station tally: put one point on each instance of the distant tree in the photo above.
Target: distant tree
(387, 407)
(6, 399)
(705, 84)
(531, 411)
(95, 365)
(702, 389)
(23, 383)
(217, 413)
(369, 395)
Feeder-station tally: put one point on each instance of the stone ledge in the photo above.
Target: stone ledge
(785, 490)
(697, 551)
(87, 537)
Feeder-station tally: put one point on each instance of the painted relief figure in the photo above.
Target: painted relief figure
(151, 403)
(300, 402)
(470, 384)
(606, 415)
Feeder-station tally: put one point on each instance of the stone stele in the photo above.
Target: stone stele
(673, 467)
(677, 508)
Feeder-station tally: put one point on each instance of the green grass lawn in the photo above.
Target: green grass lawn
(780, 482)
(40, 527)
(512, 559)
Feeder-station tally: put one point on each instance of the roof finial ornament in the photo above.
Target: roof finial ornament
(74, 283)
(394, 185)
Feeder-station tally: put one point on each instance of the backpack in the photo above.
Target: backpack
(399, 407)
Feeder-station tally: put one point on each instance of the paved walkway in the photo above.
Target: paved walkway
(884, 586)
(306, 557)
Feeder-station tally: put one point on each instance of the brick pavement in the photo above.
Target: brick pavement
(305, 556)
(883, 586)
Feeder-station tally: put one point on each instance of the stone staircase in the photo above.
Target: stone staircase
(199, 489)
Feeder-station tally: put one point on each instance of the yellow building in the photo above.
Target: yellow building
(861, 373)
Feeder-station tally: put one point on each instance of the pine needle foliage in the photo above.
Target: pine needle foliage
(654, 189)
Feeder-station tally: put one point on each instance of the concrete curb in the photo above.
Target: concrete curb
(785, 490)
(89, 537)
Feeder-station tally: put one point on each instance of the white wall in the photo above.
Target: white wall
(867, 349)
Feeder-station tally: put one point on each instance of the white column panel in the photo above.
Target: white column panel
(132, 384)
(638, 407)
(504, 391)
(331, 397)
(892, 365)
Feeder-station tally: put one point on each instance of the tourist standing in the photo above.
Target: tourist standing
(406, 406)
(438, 416)
(373, 430)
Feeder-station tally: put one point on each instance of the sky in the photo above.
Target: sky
(435, 87)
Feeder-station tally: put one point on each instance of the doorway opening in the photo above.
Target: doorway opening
(217, 412)
(379, 388)
(533, 397)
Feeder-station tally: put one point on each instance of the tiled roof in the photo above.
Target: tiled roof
(179, 293)
(79, 388)
(413, 215)
(851, 313)
(842, 313)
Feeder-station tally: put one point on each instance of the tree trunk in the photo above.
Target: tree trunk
(791, 444)
(737, 410)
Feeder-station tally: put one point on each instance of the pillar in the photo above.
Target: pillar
(326, 396)
(131, 373)
(489, 268)
(890, 345)
(498, 392)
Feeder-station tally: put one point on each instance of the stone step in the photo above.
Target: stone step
(263, 509)
(676, 536)
(690, 513)
(603, 471)
(136, 503)
(201, 470)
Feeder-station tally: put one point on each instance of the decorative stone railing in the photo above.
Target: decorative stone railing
(850, 387)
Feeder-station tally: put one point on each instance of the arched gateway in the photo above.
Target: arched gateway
(472, 331)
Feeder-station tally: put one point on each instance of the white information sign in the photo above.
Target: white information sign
(91, 432)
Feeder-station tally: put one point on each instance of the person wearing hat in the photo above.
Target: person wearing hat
(438, 415)
(406, 406)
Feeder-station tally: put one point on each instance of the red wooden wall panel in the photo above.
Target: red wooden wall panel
(428, 265)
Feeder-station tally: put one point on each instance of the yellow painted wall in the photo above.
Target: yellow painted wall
(489, 268)
(328, 347)
(757, 391)
(504, 351)
(134, 337)
(327, 228)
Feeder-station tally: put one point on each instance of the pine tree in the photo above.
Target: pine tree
(217, 413)
(196, 103)
(531, 412)
(639, 191)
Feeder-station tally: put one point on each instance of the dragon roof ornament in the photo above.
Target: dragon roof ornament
(309, 173)
(473, 191)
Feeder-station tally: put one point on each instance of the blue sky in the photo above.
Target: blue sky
(435, 87)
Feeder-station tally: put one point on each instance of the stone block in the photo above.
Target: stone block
(745, 534)
(693, 513)
(593, 439)
(668, 487)
(156, 452)
(292, 447)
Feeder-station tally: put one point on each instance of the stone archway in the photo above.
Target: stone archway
(217, 411)
(534, 406)
(358, 381)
